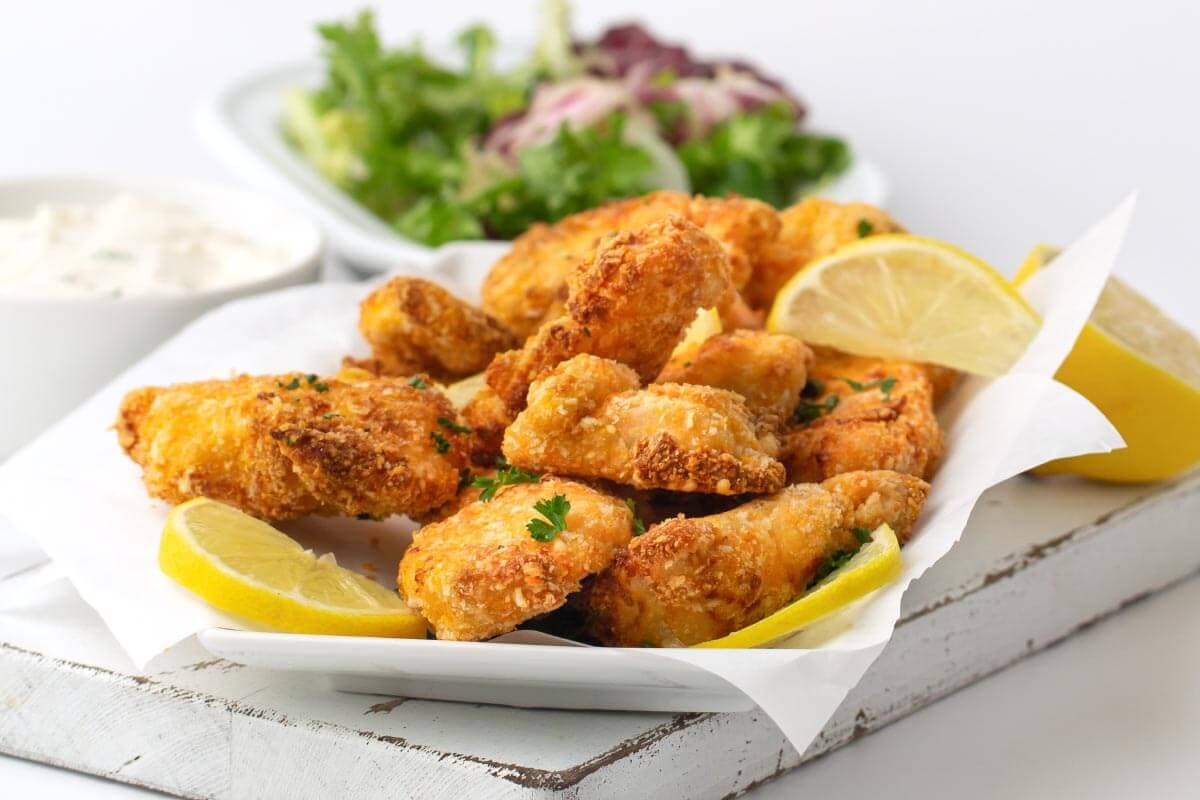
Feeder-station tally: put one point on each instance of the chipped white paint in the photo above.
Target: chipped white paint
(1039, 561)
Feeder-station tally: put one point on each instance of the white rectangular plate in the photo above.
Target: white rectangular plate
(1013, 520)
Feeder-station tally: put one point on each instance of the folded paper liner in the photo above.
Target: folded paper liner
(75, 493)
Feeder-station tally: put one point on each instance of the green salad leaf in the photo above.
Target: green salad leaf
(761, 154)
(576, 170)
(408, 137)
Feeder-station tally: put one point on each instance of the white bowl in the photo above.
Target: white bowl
(55, 351)
(240, 125)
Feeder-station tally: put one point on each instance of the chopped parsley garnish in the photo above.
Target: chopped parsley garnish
(464, 478)
(639, 527)
(311, 378)
(865, 228)
(320, 386)
(807, 412)
(555, 512)
(831, 565)
(440, 442)
(812, 388)
(294, 383)
(506, 476)
(862, 534)
(452, 426)
(329, 416)
(417, 383)
(884, 384)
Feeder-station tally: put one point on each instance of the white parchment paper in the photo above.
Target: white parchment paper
(75, 494)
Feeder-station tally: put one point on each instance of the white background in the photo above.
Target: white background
(1000, 125)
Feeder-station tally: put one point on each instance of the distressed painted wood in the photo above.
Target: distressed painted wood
(1040, 561)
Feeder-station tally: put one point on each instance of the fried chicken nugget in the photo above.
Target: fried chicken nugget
(414, 325)
(864, 413)
(528, 286)
(480, 572)
(488, 417)
(768, 369)
(589, 418)
(631, 303)
(688, 581)
(809, 230)
(282, 446)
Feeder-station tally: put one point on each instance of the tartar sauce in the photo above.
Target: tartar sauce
(129, 245)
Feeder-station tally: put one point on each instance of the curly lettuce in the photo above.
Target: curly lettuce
(761, 154)
(415, 141)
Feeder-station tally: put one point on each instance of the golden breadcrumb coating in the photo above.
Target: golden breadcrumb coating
(528, 286)
(768, 369)
(589, 418)
(943, 380)
(688, 581)
(888, 424)
(809, 230)
(631, 303)
(414, 325)
(467, 494)
(282, 446)
(479, 573)
(488, 417)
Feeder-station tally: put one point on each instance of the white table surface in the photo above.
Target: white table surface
(1000, 125)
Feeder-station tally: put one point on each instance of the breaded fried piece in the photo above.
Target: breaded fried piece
(887, 424)
(488, 417)
(528, 286)
(812, 228)
(768, 369)
(282, 446)
(480, 572)
(942, 380)
(589, 418)
(688, 581)
(414, 325)
(632, 303)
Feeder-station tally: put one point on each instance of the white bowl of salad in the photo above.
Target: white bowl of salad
(409, 160)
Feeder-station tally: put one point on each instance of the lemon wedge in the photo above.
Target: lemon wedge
(245, 567)
(876, 564)
(460, 393)
(706, 325)
(908, 297)
(1142, 370)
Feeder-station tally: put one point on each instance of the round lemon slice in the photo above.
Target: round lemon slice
(876, 564)
(245, 567)
(908, 297)
(1142, 370)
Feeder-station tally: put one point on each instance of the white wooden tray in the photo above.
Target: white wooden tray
(1040, 560)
